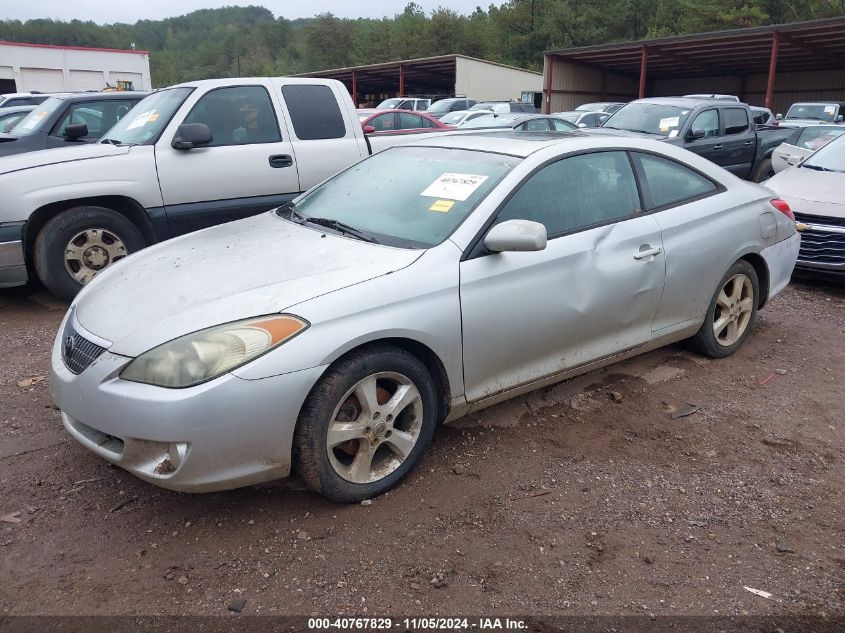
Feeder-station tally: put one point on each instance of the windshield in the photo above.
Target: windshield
(145, 122)
(34, 121)
(649, 118)
(488, 120)
(412, 197)
(444, 105)
(453, 118)
(813, 111)
(592, 107)
(572, 117)
(390, 104)
(831, 157)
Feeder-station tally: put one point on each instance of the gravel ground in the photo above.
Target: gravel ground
(584, 498)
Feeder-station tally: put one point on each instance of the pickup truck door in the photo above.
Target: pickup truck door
(711, 144)
(739, 142)
(249, 166)
(324, 127)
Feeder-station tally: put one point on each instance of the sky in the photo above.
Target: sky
(108, 11)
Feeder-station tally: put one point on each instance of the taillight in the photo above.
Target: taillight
(783, 207)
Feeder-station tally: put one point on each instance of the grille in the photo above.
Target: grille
(821, 247)
(77, 351)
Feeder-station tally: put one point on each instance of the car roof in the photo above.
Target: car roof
(99, 96)
(687, 102)
(20, 108)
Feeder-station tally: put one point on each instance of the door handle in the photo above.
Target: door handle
(650, 251)
(281, 160)
(717, 147)
(749, 143)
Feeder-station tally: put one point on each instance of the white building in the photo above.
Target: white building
(44, 68)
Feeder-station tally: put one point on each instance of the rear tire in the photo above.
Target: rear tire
(731, 314)
(365, 424)
(764, 171)
(77, 244)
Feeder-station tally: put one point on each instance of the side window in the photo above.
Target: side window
(383, 122)
(240, 115)
(668, 182)
(314, 112)
(576, 193)
(99, 116)
(408, 121)
(536, 125)
(707, 121)
(736, 121)
(560, 126)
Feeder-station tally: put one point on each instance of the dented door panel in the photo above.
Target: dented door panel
(534, 314)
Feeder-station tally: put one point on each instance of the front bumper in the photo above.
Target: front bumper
(226, 433)
(12, 262)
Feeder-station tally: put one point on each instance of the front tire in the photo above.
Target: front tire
(731, 314)
(365, 424)
(77, 244)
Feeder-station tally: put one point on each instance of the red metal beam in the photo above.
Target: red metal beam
(401, 80)
(355, 88)
(773, 65)
(547, 97)
(643, 69)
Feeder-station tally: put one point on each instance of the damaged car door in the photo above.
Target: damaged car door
(592, 292)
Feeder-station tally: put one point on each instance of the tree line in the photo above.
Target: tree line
(241, 41)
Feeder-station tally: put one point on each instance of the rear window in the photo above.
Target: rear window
(314, 112)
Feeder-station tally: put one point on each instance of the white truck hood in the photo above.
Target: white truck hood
(252, 267)
(28, 160)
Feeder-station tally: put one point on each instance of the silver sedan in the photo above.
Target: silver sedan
(333, 335)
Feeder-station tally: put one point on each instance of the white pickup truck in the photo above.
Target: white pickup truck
(184, 158)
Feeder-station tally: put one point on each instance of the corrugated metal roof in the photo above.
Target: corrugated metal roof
(812, 45)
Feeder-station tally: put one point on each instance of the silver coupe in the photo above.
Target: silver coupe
(331, 336)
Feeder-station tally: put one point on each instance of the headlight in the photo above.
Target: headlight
(201, 356)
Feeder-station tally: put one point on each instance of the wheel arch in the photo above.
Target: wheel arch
(762, 269)
(127, 207)
(421, 352)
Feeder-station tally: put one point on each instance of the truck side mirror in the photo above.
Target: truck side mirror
(191, 135)
(839, 119)
(76, 131)
(695, 134)
(779, 117)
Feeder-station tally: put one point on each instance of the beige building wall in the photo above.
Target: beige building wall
(51, 69)
(574, 84)
(485, 81)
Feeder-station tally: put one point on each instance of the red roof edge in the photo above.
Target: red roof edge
(76, 48)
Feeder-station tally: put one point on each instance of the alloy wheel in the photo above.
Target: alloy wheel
(734, 306)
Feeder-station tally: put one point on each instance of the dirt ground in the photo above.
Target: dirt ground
(584, 498)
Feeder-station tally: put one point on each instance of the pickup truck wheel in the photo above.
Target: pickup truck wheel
(365, 424)
(764, 171)
(731, 314)
(74, 246)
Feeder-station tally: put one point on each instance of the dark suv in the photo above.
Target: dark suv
(68, 120)
(505, 106)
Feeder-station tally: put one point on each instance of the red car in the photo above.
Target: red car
(382, 122)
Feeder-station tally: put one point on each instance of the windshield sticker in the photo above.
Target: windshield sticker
(442, 206)
(668, 122)
(673, 133)
(454, 186)
(829, 109)
(142, 119)
(34, 120)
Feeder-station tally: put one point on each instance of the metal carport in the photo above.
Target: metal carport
(772, 65)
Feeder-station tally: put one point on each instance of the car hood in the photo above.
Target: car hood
(813, 192)
(41, 158)
(252, 267)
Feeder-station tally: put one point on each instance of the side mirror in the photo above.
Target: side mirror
(839, 119)
(516, 235)
(582, 125)
(369, 129)
(191, 135)
(695, 134)
(779, 117)
(76, 131)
